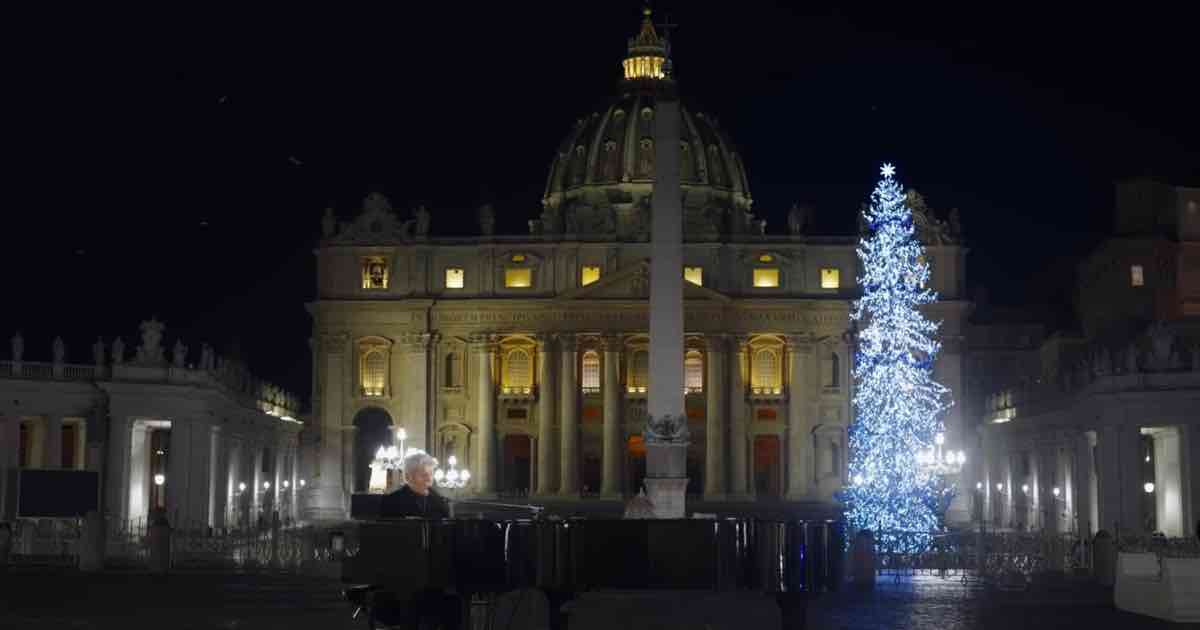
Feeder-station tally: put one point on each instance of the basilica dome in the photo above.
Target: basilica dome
(602, 174)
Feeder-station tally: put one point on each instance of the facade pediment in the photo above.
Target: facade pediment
(633, 283)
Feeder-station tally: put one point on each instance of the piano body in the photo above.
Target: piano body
(566, 558)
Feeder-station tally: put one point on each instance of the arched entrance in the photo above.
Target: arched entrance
(374, 429)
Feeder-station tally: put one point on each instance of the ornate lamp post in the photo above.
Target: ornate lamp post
(941, 464)
(452, 479)
(388, 459)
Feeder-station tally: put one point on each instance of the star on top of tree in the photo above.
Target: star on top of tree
(888, 170)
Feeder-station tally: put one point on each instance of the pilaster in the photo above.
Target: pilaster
(568, 417)
(610, 486)
(547, 464)
(739, 489)
(484, 347)
(716, 417)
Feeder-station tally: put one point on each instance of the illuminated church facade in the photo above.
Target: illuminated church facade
(526, 356)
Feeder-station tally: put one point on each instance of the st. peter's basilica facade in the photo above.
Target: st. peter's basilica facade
(526, 356)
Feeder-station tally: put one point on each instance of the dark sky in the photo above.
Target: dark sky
(177, 164)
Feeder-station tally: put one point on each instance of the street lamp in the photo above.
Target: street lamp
(1148, 487)
(160, 479)
(936, 461)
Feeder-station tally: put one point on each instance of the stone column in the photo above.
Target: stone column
(1083, 498)
(800, 442)
(179, 473)
(116, 474)
(568, 418)
(547, 465)
(715, 418)
(413, 385)
(1132, 494)
(219, 488)
(1047, 503)
(10, 453)
(1189, 456)
(327, 496)
(53, 443)
(200, 473)
(738, 450)
(610, 487)
(485, 351)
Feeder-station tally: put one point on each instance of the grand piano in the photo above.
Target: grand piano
(790, 561)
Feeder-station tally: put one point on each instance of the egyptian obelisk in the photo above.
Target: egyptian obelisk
(666, 431)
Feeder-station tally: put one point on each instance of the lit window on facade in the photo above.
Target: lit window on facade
(693, 371)
(589, 274)
(374, 273)
(517, 372)
(454, 277)
(766, 258)
(520, 258)
(766, 277)
(591, 372)
(830, 278)
(374, 373)
(639, 372)
(518, 277)
(1137, 276)
(765, 379)
(695, 275)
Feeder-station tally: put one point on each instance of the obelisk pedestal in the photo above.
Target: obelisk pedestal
(666, 429)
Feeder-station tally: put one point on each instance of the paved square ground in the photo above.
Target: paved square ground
(73, 601)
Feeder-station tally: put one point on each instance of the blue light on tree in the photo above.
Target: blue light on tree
(897, 403)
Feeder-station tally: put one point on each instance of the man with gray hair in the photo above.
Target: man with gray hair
(417, 496)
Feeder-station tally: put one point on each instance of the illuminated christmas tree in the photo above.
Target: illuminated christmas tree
(897, 403)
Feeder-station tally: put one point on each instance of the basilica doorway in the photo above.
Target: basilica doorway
(768, 474)
(517, 460)
(635, 464)
(373, 429)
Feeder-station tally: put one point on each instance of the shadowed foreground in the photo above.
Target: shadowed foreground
(70, 600)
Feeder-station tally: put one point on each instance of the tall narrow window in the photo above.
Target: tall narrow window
(1137, 276)
(517, 371)
(518, 277)
(695, 275)
(591, 372)
(833, 371)
(374, 272)
(374, 373)
(766, 277)
(766, 372)
(454, 278)
(68, 445)
(453, 370)
(639, 372)
(693, 371)
(830, 278)
(589, 274)
(26, 438)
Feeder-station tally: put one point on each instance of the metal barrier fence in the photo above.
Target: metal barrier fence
(1003, 559)
(282, 547)
(1162, 546)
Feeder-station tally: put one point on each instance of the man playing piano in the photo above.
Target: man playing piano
(417, 496)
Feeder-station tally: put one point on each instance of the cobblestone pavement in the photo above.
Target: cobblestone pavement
(72, 601)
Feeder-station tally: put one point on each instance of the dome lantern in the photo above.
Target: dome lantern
(646, 59)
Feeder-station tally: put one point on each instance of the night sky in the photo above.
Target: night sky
(177, 164)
